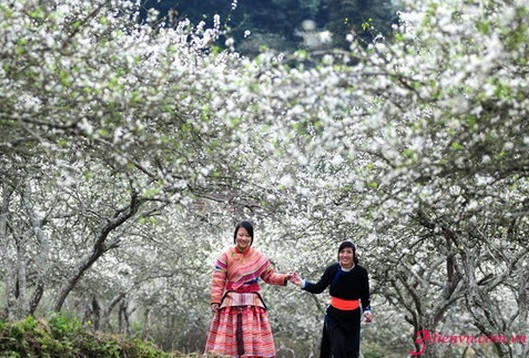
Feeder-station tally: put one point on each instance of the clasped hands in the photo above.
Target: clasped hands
(296, 279)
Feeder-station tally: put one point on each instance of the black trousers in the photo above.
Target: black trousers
(341, 334)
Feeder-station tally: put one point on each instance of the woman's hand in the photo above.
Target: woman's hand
(296, 279)
(215, 307)
(368, 316)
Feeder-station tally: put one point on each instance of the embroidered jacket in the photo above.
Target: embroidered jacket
(235, 280)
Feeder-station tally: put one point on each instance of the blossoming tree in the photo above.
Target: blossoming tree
(122, 142)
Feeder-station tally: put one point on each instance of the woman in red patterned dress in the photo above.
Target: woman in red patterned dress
(240, 326)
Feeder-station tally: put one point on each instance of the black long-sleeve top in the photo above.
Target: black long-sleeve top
(347, 285)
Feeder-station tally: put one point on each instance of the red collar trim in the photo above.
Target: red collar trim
(236, 249)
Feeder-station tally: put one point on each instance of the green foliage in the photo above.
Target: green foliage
(372, 350)
(66, 337)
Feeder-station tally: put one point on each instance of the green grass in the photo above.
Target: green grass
(67, 338)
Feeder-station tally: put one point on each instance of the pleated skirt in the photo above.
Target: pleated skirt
(241, 332)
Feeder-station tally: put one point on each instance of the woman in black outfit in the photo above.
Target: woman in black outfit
(349, 290)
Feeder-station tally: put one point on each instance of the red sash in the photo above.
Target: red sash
(344, 305)
(246, 288)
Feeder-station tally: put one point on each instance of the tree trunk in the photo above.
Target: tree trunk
(4, 253)
(146, 324)
(42, 256)
(105, 322)
(524, 303)
(481, 307)
(96, 313)
(123, 318)
(99, 248)
(22, 306)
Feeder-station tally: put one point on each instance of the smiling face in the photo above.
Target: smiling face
(346, 257)
(242, 239)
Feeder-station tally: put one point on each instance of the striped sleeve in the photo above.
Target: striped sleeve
(271, 277)
(218, 278)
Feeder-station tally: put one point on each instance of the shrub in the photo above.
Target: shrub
(65, 337)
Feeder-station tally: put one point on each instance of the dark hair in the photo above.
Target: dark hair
(246, 225)
(346, 244)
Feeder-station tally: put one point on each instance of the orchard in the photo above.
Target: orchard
(129, 149)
